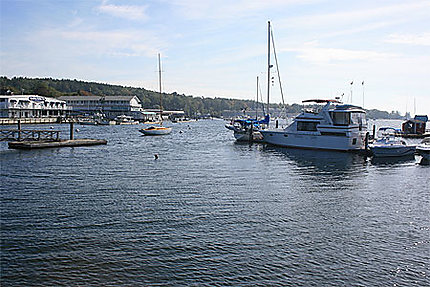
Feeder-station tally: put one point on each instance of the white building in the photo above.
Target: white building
(31, 106)
(110, 106)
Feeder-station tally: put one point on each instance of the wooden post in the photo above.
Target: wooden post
(277, 123)
(71, 130)
(374, 132)
(19, 130)
(366, 142)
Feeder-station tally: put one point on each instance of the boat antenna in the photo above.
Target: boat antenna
(268, 65)
(362, 84)
(352, 82)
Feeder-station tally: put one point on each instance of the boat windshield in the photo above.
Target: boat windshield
(358, 118)
(348, 118)
(341, 118)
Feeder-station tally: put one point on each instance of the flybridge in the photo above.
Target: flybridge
(321, 101)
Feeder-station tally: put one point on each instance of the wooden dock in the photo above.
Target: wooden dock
(53, 144)
(29, 135)
(36, 139)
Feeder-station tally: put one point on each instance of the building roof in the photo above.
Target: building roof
(34, 98)
(97, 98)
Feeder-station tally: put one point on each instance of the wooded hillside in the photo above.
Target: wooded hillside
(192, 105)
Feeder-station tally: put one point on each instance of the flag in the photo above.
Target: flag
(352, 82)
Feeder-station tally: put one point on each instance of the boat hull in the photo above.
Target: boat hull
(158, 131)
(354, 142)
(424, 151)
(392, 151)
(245, 137)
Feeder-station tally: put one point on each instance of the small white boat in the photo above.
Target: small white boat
(390, 146)
(423, 149)
(156, 131)
(125, 120)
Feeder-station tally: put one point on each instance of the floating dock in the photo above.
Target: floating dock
(51, 144)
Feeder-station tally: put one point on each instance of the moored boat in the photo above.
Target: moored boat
(388, 145)
(335, 126)
(125, 120)
(391, 148)
(248, 129)
(156, 131)
(423, 149)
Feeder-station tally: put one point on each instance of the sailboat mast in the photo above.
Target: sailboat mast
(268, 65)
(159, 82)
(256, 105)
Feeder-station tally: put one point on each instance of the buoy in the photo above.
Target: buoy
(77, 130)
(180, 132)
(155, 156)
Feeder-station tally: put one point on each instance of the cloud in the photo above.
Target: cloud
(411, 39)
(130, 12)
(354, 16)
(223, 9)
(311, 52)
(117, 43)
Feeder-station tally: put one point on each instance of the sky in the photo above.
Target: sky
(219, 48)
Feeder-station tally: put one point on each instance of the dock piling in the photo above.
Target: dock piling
(71, 130)
(19, 130)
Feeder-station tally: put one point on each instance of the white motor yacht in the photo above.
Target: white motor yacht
(335, 126)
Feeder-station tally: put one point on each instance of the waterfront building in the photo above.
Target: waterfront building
(110, 106)
(31, 106)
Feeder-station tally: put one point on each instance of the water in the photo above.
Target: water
(209, 212)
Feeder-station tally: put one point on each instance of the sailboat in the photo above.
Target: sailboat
(158, 130)
(250, 129)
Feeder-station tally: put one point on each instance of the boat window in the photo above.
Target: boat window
(307, 126)
(340, 118)
(358, 118)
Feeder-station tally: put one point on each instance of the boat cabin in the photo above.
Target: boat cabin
(345, 115)
(339, 115)
(416, 126)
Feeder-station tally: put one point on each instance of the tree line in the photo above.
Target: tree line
(191, 105)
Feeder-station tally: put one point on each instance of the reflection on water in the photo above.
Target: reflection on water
(320, 161)
(387, 161)
(209, 212)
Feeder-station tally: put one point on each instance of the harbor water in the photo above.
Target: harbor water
(209, 212)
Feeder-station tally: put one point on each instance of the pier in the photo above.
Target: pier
(36, 139)
(60, 143)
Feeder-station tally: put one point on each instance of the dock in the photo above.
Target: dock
(37, 139)
(53, 144)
